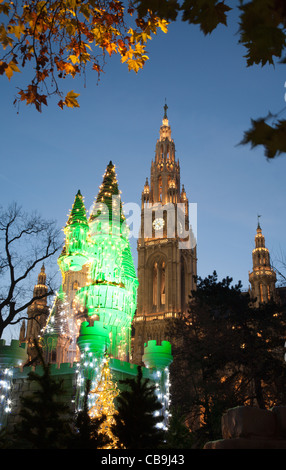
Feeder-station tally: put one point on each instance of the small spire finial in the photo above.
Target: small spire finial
(258, 221)
(165, 110)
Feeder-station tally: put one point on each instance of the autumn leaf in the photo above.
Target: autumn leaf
(18, 30)
(31, 96)
(262, 32)
(272, 138)
(61, 39)
(11, 68)
(70, 100)
(74, 58)
(208, 14)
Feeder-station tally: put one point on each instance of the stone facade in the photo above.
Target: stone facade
(252, 428)
(167, 258)
(263, 277)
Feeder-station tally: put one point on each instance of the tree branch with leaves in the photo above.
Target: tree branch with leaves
(62, 38)
(261, 30)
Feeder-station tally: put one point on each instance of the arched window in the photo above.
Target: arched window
(155, 283)
(163, 284)
(158, 285)
(261, 293)
(75, 285)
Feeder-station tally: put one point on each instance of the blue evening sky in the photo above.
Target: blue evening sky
(211, 95)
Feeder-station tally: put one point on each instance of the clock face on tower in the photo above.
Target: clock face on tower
(158, 223)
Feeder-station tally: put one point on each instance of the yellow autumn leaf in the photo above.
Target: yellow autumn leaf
(74, 59)
(17, 30)
(136, 64)
(12, 67)
(71, 99)
(162, 24)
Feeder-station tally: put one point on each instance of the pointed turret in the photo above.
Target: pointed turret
(263, 277)
(165, 170)
(37, 314)
(75, 252)
(165, 129)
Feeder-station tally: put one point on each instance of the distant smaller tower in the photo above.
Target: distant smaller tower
(263, 277)
(37, 315)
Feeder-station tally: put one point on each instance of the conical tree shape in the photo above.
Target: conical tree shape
(107, 190)
(112, 290)
(75, 251)
(78, 211)
(138, 418)
(105, 392)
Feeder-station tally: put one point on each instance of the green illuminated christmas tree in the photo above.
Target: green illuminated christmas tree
(78, 212)
(112, 293)
(75, 251)
(107, 191)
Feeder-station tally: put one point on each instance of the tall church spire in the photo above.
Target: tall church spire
(37, 314)
(165, 270)
(165, 129)
(263, 277)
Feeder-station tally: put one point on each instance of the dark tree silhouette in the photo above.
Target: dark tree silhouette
(227, 353)
(45, 415)
(136, 425)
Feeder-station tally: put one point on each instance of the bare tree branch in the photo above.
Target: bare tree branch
(26, 241)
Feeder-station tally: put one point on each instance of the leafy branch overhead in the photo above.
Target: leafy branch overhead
(261, 25)
(272, 138)
(57, 39)
(63, 38)
(262, 32)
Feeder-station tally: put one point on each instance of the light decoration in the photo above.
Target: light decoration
(89, 367)
(101, 401)
(59, 325)
(158, 358)
(11, 357)
(162, 384)
(111, 292)
(75, 251)
(103, 391)
(58, 321)
(6, 381)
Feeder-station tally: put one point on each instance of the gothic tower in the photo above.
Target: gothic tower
(263, 277)
(37, 314)
(167, 260)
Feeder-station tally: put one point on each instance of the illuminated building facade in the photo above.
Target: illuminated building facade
(167, 257)
(263, 277)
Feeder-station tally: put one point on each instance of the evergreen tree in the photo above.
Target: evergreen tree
(136, 425)
(44, 417)
(87, 429)
(227, 353)
(178, 435)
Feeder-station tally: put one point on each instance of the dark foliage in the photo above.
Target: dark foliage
(227, 353)
(135, 424)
